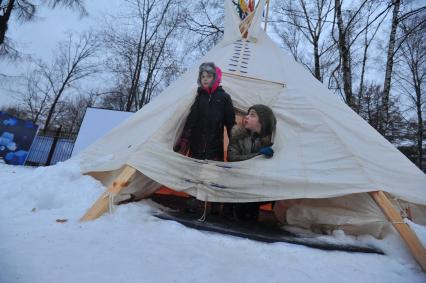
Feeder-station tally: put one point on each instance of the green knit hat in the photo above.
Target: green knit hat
(266, 119)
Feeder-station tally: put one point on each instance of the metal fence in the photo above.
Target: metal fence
(42, 147)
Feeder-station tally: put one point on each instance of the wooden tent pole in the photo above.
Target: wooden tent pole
(247, 20)
(252, 78)
(101, 205)
(267, 14)
(404, 230)
(245, 24)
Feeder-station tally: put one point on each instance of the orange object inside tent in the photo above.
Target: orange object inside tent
(167, 191)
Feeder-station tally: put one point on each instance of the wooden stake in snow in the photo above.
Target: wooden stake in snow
(101, 205)
(404, 230)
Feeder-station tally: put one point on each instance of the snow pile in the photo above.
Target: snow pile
(133, 246)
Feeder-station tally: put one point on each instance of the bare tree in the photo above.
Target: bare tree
(394, 44)
(411, 76)
(389, 64)
(30, 92)
(15, 110)
(24, 11)
(370, 106)
(310, 18)
(34, 96)
(157, 53)
(344, 51)
(351, 23)
(73, 109)
(138, 43)
(72, 64)
(314, 20)
(370, 32)
(203, 26)
(292, 41)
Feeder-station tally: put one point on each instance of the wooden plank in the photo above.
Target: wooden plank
(101, 205)
(252, 78)
(247, 20)
(410, 238)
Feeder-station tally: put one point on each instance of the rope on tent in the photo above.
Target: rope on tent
(101, 205)
(110, 197)
(403, 212)
(203, 217)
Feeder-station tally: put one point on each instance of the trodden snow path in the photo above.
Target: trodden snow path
(133, 246)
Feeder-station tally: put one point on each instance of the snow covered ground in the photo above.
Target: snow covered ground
(133, 246)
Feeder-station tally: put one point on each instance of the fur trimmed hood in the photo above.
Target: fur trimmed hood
(239, 132)
(215, 71)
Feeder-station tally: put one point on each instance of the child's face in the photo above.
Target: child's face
(206, 79)
(251, 122)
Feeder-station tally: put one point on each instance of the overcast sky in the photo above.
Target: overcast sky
(39, 38)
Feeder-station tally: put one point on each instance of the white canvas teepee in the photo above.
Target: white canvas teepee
(322, 148)
(324, 152)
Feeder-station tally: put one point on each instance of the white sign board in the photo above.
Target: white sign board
(97, 123)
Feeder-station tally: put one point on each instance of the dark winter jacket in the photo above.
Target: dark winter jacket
(206, 120)
(244, 145)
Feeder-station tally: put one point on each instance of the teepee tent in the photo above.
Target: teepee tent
(323, 150)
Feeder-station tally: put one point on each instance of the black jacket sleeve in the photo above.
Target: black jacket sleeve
(191, 119)
(229, 119)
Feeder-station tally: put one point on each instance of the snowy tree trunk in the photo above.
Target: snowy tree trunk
(389, 65)
(420, 127)
(344, 55)
(4, 19)
(55, 101)
(317, 60)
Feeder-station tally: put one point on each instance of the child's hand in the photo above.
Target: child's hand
(267, 151)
